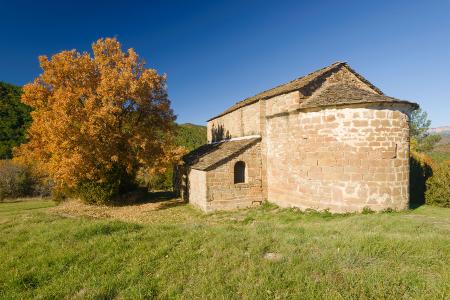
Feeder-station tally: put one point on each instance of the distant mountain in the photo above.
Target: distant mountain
(440, 130)
(444, 132)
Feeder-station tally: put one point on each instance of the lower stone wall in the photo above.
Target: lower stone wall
(197, 188)
(339, 159)
(224, 194)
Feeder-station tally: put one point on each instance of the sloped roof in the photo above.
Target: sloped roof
(209, 156)
(296, 84)
(339, 94)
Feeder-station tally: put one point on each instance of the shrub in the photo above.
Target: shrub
(96, 193)
(20, 180)
(118, 182)
(438, 186)
(367, 210)
(14, 180)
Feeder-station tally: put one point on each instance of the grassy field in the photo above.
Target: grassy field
(441, 152)
(174, 251)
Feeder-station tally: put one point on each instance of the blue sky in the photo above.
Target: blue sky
(217, 53)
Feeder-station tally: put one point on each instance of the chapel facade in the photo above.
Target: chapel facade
(328, 140)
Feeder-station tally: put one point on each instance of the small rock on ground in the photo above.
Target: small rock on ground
(273, 256)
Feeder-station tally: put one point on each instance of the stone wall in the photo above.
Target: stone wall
(282, 103)
(197, 188)
(224, 194)
(241, 122)
(339, 159)
(250, 119)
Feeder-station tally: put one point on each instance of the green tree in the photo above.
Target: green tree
(14, 119)
(188, 136)
(421, 140)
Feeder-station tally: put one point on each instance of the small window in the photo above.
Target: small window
(239, 172)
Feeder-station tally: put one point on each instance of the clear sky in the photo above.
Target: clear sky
(216, 53)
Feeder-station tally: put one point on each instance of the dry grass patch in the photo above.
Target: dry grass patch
(143, 213)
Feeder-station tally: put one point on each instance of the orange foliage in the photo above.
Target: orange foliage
(92, 114)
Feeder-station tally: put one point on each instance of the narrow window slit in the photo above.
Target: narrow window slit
(239, 172)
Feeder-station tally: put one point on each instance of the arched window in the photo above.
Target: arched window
(239, 172)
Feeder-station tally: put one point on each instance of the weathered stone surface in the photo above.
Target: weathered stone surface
(223, 193)
(213, 188)
(242, 122)
(329, 140)
(197, 183)
(326, 159)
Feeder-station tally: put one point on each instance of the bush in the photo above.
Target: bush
(19, 180)
(438, 186)
(367, 211)
(14, 180)
(94, 192)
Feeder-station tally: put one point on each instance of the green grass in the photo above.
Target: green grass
(445, 139)
(221, 256)
(440, 155)
(441, 152)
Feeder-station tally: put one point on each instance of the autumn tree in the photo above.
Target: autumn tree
(98, 119)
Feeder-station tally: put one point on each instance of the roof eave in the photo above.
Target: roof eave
(413, 105)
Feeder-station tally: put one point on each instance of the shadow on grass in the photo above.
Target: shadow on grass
(23, 199)
(12, 201)
(170, 204)
(167, 199)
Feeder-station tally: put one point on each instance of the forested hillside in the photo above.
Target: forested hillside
(14, 119)
(191, 136)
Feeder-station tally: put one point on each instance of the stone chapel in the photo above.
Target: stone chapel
(328, 140)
